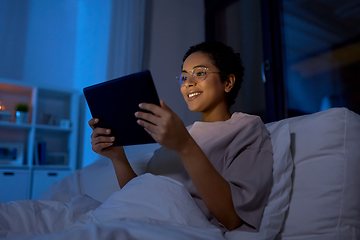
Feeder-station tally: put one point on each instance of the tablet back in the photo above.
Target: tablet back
(115, 102)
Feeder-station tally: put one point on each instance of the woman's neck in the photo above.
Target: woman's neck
(220, 114)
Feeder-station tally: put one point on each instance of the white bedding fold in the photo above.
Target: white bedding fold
(127, 229)
(28, 217)
(148, 207)
(152, 197)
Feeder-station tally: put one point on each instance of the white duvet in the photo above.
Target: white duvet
(148, 207)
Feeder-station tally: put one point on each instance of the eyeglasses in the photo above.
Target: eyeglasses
(198, 74)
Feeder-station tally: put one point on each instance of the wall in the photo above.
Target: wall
(175, 26)
(50, 46)
(65, 42)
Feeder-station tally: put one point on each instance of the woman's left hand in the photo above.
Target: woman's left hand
(163, 125)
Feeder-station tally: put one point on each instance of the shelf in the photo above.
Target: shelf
(53, 121)
(15, 125)
(51, 167)
(52, 128)
(13, 167)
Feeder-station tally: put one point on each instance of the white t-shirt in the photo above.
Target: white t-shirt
(240, 150)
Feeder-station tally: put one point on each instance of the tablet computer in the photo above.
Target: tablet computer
(115, 102)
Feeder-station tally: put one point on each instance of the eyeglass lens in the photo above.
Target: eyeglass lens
(197, 74)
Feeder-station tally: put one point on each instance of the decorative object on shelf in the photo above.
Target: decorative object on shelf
(2, 108)
(22, 114)
(65, 123)
(5, 116)
(49, 119)
(11, 154)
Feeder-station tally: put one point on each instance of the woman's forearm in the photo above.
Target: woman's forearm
(123, 170)
(212, 187)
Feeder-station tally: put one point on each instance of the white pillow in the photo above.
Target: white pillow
(278, 202)
(325, 203)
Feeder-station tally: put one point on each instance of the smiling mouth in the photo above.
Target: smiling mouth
(193, 95)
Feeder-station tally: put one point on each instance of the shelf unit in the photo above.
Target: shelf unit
(52, 124)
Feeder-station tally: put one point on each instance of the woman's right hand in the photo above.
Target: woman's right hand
(101, 142)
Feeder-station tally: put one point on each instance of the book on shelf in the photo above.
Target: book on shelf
(5, 116)
(40, 153)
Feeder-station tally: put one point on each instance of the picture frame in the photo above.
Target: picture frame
(11, 154)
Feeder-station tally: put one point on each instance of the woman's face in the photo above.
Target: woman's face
(207, 95)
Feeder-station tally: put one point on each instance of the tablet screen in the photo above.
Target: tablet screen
(115, 102)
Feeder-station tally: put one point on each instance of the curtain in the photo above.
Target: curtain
(126, 44)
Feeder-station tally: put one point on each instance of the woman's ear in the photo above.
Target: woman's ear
(229, 83)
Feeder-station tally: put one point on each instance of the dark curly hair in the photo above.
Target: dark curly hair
(226, 60)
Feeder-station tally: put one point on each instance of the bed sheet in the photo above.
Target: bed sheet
(148, 207)
(131, 229)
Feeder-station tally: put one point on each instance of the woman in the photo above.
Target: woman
(225, 161)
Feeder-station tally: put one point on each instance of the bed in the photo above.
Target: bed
(315, 194)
